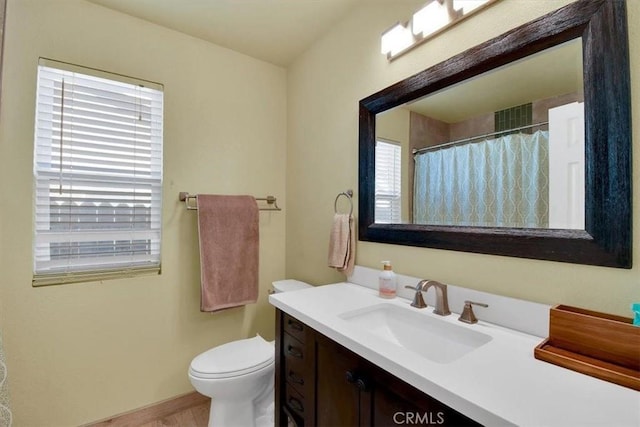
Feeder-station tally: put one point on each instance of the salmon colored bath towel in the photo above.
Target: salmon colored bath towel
(229, 237)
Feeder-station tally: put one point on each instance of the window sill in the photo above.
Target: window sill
(91, 276)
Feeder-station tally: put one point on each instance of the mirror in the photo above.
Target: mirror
(503, 149)
(466, 106)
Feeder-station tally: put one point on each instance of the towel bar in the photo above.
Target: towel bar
(185, 197)
(348, 194)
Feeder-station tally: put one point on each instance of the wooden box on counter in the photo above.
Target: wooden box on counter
(601, 345)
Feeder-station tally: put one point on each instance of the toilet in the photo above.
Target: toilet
(238, 377)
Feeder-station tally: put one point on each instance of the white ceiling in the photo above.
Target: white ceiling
(276, 31)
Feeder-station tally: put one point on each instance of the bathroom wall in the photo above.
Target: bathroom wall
(82, 352)
(324, 87)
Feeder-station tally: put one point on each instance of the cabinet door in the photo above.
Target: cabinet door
(337, 395)
(394, 402)
(392, 409)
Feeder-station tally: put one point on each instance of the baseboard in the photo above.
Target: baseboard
(152, 412)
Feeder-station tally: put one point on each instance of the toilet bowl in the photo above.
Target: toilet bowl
(238, 377)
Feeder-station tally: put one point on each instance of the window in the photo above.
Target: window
(98, 175)
(388, 182)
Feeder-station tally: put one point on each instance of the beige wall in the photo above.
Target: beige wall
(324, 87)
(82, 352)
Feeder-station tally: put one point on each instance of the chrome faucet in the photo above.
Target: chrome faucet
(442, 302)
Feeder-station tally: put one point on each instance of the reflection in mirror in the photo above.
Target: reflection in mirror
(502, 149)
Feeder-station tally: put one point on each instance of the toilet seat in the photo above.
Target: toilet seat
(233, 359)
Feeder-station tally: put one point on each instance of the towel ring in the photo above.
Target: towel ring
(348, 194)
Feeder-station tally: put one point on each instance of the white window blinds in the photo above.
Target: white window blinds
(388, 183)
(98, 175)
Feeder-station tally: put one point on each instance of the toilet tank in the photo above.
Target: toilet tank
(289, 285)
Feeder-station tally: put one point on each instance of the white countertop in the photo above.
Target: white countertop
(499, 383)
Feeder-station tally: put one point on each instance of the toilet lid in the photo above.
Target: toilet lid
(233, 359)
(289, 285)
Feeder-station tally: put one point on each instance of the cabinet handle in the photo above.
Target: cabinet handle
(354, 378)
(350, 377)
(294, 352)
(362, 385)
(296, 378)
(295, 404)
(294, 325)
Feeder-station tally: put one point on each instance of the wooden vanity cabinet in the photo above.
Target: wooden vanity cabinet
(294, 371)
(321, 383)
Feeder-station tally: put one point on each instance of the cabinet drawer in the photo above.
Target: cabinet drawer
(293, 326)
(292, 349)
(294, 401)
(294, 366)
(291, 419)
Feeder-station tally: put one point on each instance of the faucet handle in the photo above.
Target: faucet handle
(418, 300)
(467, 315)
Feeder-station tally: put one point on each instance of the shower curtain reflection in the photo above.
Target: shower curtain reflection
(501, 182)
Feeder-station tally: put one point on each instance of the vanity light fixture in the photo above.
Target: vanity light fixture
(467, 5)
(430, 18)
(396, 39)
(435, 17)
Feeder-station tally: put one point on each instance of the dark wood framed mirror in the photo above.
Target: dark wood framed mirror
(605, 238)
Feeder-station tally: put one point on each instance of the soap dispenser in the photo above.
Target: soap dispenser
(387, 281)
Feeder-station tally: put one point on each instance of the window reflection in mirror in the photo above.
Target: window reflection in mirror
(388, 194)
(503, 149)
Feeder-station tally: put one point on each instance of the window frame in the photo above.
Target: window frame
(123, 204)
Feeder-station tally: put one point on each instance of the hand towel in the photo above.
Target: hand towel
(342, 244)
(229, 236)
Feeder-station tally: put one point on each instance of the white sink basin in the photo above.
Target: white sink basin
(434, 339)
